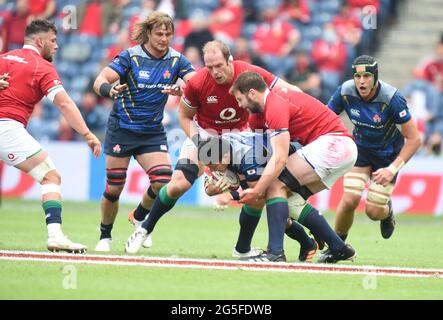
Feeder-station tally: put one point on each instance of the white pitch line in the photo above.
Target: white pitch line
(218, 264)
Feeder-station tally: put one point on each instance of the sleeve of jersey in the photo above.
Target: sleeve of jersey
(336, 102)
(185, 67)
(189, 96)
(51, 84)
(269, 78)
(400, 109)
(121, 64)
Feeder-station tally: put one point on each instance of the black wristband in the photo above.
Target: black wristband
(105, 89)
(235, 195)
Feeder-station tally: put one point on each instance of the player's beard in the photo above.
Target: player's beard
(254, 107)
(46, 54)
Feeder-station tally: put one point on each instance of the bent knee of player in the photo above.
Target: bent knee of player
(374, 212)
(114, 190)
(52, 177)
(350, 201)
(276, 189)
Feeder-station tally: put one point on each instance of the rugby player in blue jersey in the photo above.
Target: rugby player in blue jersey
(247, 154)
(147, 73)
(375, 108)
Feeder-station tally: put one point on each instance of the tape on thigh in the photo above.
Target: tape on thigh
(379, 195)
(355, 182)
(40, 170)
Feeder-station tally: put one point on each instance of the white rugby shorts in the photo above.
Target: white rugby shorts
(331, 156)
(16, 144)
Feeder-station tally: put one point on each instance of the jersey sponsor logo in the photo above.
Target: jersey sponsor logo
(144, 74)
(164, 147)
(251, 172)
(11, 156)
(15, 58)
(212, 99)
(57, 82)
(151, 86)
(376, 118)
(355, 112)
(116, 60)
(228, 114)
(402, 114)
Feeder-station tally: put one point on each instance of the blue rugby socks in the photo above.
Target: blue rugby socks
(140, 213)
(314, 221)
(53, 211)
(298, 233)
(162, 204)
(249, 219)
(277, 213)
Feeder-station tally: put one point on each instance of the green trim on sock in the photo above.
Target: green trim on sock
(304, 213)
(276, 200)
(52, 204)
(164, 198)
(252, 211)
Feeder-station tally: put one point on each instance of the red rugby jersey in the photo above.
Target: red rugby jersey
(217, 109)
(303, 116)
(31, 78)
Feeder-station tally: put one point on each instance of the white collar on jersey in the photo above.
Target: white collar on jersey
(31, 47)
(266, 95)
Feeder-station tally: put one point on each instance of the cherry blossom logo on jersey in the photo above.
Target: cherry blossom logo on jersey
(11, 156)
(116, 148)
(376, 118)
(166, 74)
(228, 114)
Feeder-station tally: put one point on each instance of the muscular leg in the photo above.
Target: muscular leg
(158, 167)
(116, 177)
(41, 168)
(50, 180)
(354, 185)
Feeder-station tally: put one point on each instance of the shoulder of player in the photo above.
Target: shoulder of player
(242, 66)
(201, 77)
(387, 93)
(348, 89)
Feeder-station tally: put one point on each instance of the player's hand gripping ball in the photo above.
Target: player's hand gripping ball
(225, 180)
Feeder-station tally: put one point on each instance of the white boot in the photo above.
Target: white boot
(104, 245)
(57, 241)
(148, 242)
(135, 241)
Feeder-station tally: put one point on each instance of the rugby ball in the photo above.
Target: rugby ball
(230, 176)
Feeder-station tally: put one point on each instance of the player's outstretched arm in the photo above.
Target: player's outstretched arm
(103, 84)
(409, 131)
(275, 165)
(283, 84)
(186, 119)
(73, 116)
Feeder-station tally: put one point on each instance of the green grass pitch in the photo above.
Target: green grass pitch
(190, 232)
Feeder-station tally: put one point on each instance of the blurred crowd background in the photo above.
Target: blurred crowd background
(310, 43)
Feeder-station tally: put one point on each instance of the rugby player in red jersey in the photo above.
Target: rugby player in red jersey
(31, 76)
(206, 98)
(328, 151)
